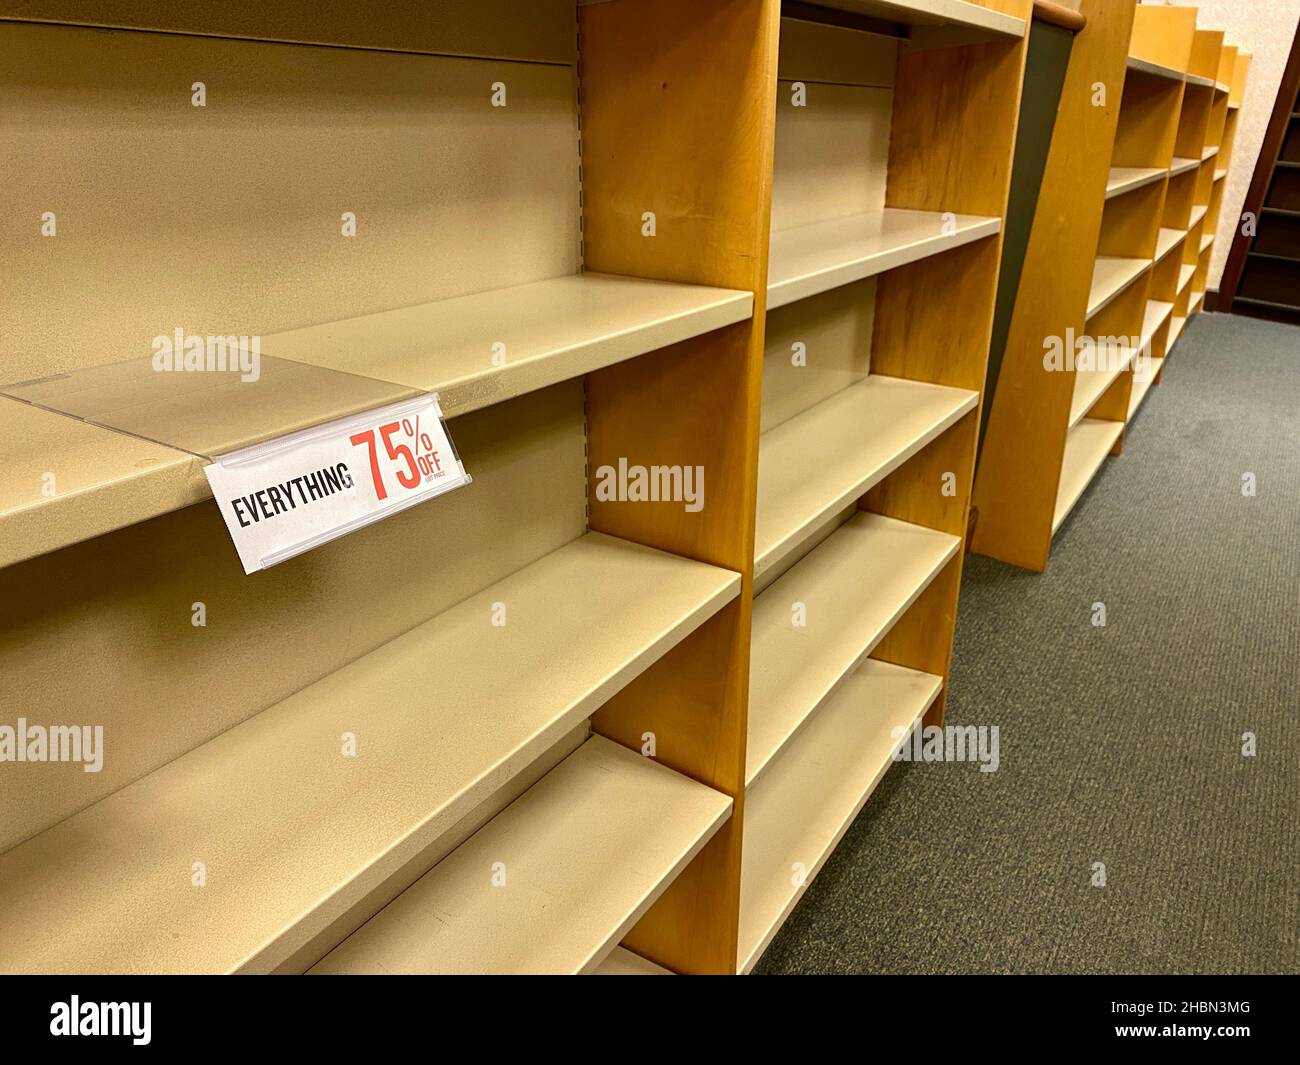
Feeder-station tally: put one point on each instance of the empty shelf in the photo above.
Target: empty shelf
(854, 586)
(1167, 240)
(1142, 385)
(1126, 178)
(1086, 448)
(97, 480)
(551, 331)
(1221, 173)
(1142, 66)
(1156, 314)
(1110, 277)
(1090, 385)
(1200, 80)
(807, 800)
(584, 853)
(1206, 240)
(956, 13)
(820, 461)
(1181, 165)
(1176, 324)
(295, 836)
(809, 259)
(1185, 273)
(1197, 300)
(1210, 152)
(622, 962)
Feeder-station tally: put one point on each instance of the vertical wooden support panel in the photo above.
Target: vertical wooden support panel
(1024, 443)
(1163, 35)
(678, 104)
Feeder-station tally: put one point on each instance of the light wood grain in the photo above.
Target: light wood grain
(678, 119)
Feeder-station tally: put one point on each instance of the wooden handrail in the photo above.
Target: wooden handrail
(1059, 15)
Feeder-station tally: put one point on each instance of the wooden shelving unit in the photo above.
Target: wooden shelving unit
(869, 400)
(1090, 337)
(343, 740)
(525, 727)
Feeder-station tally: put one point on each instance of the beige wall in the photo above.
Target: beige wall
(1264, 28)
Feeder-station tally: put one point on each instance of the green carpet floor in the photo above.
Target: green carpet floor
(1120, 744)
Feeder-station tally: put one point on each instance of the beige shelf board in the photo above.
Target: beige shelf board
(1181, 165)
(1142, 383)
(1200, 81)
(822, 460)
(1220, 86)
(805, 803)
(952, 13)
(63, 481)
(584, 853)
(622, 962)
(213, 412)
(1086, 448)
(1197, 300)
(1210, 152)
(1127, 178)
(1111, 275)
(551, 331)
(1090, 385)
(1206, 240)
(1234, 105)
(1221, 173)
(1143, 66)
(1157, 312)
(806, 260)
(1175, 330)
(294, 835)
(1167, 240)
(854, 586)
(1198, 212)
(93, 429)
(1185, 273)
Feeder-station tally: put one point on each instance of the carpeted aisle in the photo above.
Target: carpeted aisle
(1119, 744)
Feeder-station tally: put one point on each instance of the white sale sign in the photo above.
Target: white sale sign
(288, 495)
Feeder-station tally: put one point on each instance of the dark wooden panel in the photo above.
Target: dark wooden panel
(1271, 280)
